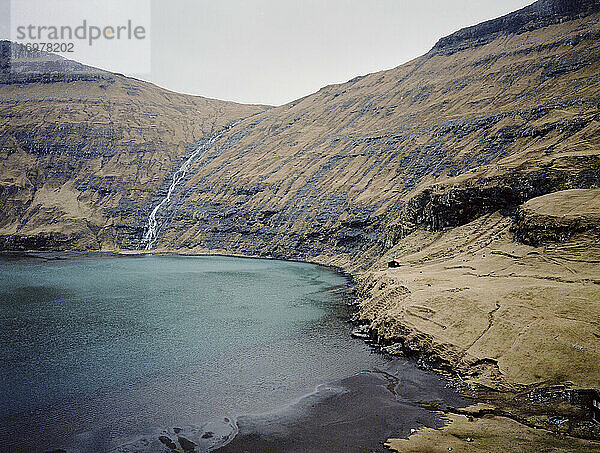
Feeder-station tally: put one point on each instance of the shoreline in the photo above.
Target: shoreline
(511, 404)
(41, 254)
(392, 393)
(375, 406)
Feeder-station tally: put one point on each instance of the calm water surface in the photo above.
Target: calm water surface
(110, 354)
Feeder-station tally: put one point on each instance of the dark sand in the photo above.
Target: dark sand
(356, 414)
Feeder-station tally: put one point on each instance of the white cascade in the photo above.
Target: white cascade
(150, 236)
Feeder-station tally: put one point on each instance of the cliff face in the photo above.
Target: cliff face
(83, 151)
(341, 175)
(538, 15)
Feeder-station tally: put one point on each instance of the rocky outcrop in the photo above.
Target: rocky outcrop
(445, 207)
(558, 216)
(538, 15)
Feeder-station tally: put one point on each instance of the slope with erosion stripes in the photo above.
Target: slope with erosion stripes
(341, 175)
(83, 151)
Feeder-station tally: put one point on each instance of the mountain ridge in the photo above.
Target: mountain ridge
(537, 15)
(20, 65)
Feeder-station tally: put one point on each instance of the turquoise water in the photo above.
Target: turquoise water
(96, 352)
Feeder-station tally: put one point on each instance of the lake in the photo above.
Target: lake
(180, 353)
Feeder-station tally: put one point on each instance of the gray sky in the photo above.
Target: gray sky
(275, 51)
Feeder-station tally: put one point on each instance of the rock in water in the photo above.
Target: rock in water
(187, 445)
(168, 442)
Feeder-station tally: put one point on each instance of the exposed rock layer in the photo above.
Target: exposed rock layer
(540, 14)
(83, 151)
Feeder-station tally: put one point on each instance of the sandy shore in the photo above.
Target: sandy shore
(355, 414)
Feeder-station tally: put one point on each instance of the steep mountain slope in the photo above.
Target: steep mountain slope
(83, 150)
(342, 174)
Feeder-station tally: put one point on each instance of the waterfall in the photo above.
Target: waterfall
(150, 236)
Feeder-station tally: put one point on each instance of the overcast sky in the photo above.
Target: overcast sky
(275, 51)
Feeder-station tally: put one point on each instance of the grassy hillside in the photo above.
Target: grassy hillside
(341, 175)
(82, 151)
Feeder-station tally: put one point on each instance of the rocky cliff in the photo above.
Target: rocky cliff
(535, 16)
(341, 175)
(430, 162)
(83, 151)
